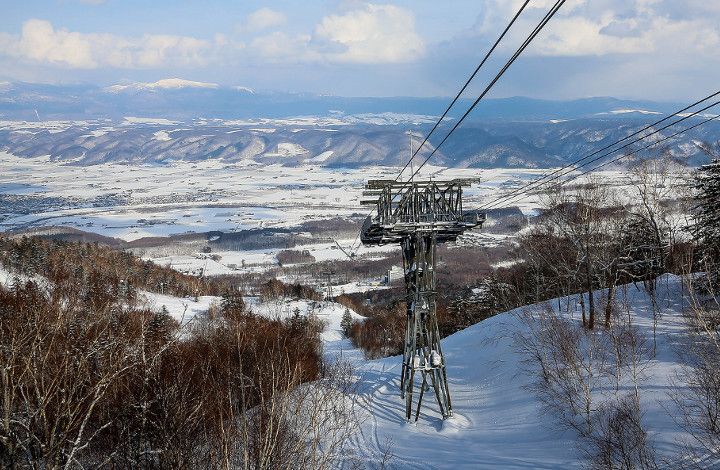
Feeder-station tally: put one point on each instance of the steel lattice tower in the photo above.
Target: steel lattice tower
(418, 215)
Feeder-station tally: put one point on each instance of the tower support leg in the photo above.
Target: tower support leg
(422, 352)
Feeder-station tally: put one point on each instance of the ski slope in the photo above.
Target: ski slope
(497, 423)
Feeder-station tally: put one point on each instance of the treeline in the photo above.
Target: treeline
(86, 383)
(96, 270)
(274, 289)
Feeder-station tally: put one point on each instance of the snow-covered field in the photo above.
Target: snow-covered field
(258, 261)
(135, 201)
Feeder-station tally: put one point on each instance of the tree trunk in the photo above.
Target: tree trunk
(591, 300)
(611, 295)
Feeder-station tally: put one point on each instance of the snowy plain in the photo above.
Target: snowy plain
(130, 201)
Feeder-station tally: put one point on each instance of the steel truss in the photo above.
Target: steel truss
(418, 216)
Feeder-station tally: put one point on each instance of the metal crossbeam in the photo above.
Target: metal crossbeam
(419, 215)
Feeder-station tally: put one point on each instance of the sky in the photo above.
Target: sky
(665, 50)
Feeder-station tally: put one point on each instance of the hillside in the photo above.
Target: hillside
(498, 422)
(177, 120)
(346, 142)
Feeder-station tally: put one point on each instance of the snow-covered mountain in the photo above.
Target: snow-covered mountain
(178, 119)
(164, 84)
(182, 99)
(339, 140)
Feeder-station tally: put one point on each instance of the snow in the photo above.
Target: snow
(288, 149)
(497, 422)
(323, 157)
(162, 136)
(181, 197)
(630, 111)
(148, 120)
(7, 278)
(239, 261)
(334, 341)
(167, 84)
(184, 310)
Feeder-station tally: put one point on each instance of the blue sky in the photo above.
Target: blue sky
(654, 49)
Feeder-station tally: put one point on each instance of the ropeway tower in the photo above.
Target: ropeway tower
(418, 215)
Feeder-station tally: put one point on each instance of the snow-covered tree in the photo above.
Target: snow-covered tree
(346, 322)
(707, 211)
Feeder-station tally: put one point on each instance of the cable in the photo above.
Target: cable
(462, 90)
(538, 180)
(637, 151)
(570, 170)
(492, 49)
(548, 16)
(521, 49)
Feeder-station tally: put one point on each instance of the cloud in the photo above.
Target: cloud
(263, 18)
(610, 27)
(282, 47)
(40, 42)
(372, 34)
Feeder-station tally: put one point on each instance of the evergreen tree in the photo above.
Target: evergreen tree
(706, 229)
(346, 322)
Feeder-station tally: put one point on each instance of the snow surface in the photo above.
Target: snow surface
(166, 83)
(181, 197)
(148, 120)
(184, 310)
(497, 422)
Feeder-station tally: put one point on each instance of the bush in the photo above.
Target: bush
(95, 383)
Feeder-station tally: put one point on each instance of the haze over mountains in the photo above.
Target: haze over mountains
(175, 119)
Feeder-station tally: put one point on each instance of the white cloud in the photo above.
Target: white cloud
(263, 18)
(373, 34)
(40, 42)
(281, 47)
(610, 27)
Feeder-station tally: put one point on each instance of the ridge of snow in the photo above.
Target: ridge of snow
(166, 84)
(630, 111)
(146, 120)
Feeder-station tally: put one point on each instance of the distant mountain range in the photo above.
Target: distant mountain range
(175, 119)
(180, 99)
